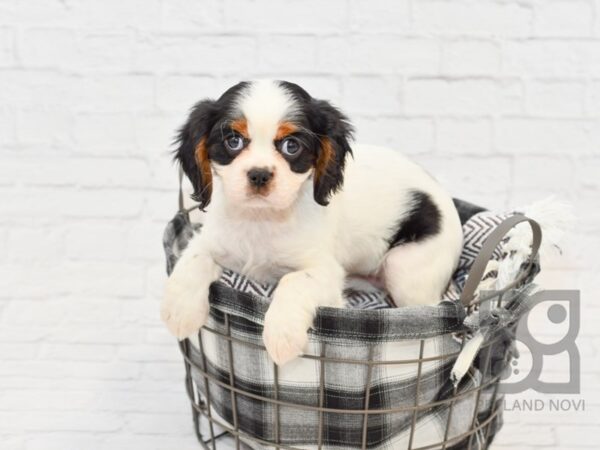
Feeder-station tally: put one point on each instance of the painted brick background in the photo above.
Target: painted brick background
(499, 99)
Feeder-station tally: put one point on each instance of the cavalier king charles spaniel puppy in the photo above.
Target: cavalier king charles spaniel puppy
(289, 200)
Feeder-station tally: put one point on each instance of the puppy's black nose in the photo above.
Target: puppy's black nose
(259, 177)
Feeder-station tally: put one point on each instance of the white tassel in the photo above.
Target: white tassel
(554, 217)
(466, 356)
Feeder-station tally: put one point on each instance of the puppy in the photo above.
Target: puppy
(285, 202)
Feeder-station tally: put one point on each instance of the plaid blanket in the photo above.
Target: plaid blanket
(367, 330)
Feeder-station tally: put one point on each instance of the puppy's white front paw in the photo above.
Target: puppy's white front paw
(284, 342)
(285, 333)
(184, 308)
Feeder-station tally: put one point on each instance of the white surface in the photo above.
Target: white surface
(499, 99)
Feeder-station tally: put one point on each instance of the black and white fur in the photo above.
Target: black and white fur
(287, 200)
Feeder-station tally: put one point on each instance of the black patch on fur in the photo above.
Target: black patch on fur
(324, 121)
(423, 220)
(206, 120)
(308, 156)
(215, 142)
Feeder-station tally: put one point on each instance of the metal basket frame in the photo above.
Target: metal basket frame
(201, 407)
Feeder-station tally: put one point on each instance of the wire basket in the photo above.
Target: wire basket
(411, 378)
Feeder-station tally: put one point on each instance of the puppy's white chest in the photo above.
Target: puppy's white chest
(260, 251)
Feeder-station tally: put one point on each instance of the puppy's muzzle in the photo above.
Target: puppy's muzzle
(259, 177)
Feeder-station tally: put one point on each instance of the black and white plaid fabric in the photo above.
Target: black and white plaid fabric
(369, 329)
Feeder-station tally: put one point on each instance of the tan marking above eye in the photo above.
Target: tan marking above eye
(240, 126)
(285, 129)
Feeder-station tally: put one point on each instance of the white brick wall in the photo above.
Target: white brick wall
(498, 98)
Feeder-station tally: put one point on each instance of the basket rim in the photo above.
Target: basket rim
(345, 324)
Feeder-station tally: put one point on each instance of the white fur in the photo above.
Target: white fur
(265, 104)
(286, 237)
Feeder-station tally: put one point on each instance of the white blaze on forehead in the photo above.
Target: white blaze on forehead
(265, 105)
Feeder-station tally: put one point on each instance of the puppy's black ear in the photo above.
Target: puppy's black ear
(192, 152)
(335, 133)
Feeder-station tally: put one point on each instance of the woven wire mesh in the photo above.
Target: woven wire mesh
(478, 435)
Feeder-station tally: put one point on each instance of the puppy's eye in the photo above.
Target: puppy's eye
(290, 147)
(234, 143)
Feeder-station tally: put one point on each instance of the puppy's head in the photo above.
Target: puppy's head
(265, 141)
